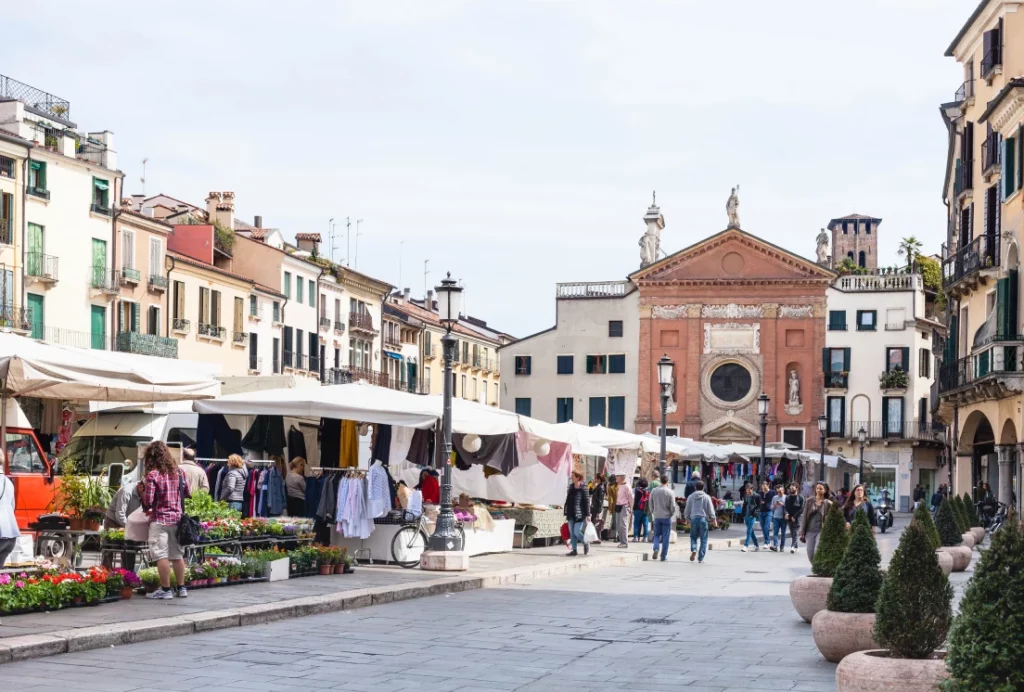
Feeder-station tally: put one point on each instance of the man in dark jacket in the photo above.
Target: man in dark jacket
(577, 510)
(765, 517)
(794, 511)
(751, 511)
(691, 485)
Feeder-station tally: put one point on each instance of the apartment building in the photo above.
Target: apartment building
(14, 156)
(982, 372)
(366, 297)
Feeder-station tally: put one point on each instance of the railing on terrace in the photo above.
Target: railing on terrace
(106, 280)
(287, 359)
(180, 325)
(129, 275)
(6, 235)
(853, 283)
(213, 331)
(101, 209)
(966, 91)
(146, 344)
(889, 430)
(34, 98)
(325, 323)
(392, 342)
(301, 361)
(344, 375)
(256, 363)
(591, 289)
(980, 253)
(239, 338)
(6, 167)
(73, 338)
(158, 282)
(314, 363)
(1001, 356)
(991, 60)
(41, 266)
(360, 320)
(18, 319)
(990, 153)
(37, 192)
(963, 177)
(339, 326)
(836, 380)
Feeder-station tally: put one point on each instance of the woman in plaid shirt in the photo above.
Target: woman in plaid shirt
(163, 501)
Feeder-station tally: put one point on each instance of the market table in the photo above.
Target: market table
(68, 539)
(538, 523)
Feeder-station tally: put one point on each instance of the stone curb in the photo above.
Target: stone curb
(31, 646)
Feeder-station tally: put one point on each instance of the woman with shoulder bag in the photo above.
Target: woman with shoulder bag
(163, 500)
(9, 532)
(815, 510)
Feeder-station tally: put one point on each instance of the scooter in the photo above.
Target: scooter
(883, 517)
(999, 519)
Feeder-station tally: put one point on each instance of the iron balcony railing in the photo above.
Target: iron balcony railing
(337, 376)
(963, 177)
(837, 326)
(180, 325)
(966, 91)
(867, 283)
(6, 167)
(392, 342)
(106, 280)
(991, 60)
(895, 326)
(314, 363)
(41, 266)
(130, 276)
(212, 330)
(158, 282)
(926, 430)
(6, 235)
(339, 326)
(100, 209)
(980, 253)
(1002, 356)
(300, 361)
(276, 364)
(836, 380)
(287, 359)
(256, 311)
(361, 321)
(34, 98)
(74, 338)
(348, 374)
(37, 192)
(146, 344)
(239, 338)
(18, 319)
(256, 363)
(325, 323)
(990, 153)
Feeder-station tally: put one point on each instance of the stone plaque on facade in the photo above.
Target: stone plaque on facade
(796, 311)
(732, 311)
(669, 312)
(732, 338)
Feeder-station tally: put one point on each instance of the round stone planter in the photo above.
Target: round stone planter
(968, 539)
(961, 555)
(979, 534)
(874, 671)
(837, 635)
(945, 561)
(809, 595)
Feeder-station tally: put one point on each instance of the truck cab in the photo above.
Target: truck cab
(29, 469)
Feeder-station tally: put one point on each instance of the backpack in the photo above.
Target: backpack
(644, 497)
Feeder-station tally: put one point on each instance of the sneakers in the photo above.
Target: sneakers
(744, 549)
(181, 592)
(793, 549)
(773, 548)
(586, 549)
(700, 562)
(693, 555)
(654, 555)
(572, 553)
(757, 548)
(161, 594)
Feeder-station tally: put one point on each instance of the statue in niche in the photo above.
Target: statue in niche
(822, 248)
(732, 208)
(794, 388)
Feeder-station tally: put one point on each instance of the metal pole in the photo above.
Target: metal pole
(821, 466)
(860, 476)
(664, 431)
(445, 537)
(764, 431)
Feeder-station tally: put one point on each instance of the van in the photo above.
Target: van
(31, 472)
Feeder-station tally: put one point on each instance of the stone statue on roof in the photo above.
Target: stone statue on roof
(732, 208)
(822, 249)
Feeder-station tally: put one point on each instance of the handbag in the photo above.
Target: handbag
(188, 527)
(590, 533)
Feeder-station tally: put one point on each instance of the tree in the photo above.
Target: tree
(831, 543)
(924, 518)
(914, 607)
(986, 643)
(972, 512)
(931, 273)
(911, 247)
(848, 266)
(945, 522)
(960, 513)
(858, 578)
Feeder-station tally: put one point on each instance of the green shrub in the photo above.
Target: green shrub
(923, 517)
(831, 543)
(858, 577)
(945, 523)
(914, 607)
(986, 643)
(972, 512)
(960, 513)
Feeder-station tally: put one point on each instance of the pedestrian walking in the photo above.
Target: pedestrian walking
(577, 510)
(919, 495)
(700, 511)
(612, 498)
(295, 483)
(936, 499)
(623, 509)
(814, 516)
(9, 532)
(778, 511)
(794, 511)
(163, 500)
(751, 512)
(598, 488)
(858, 502)
(691, 485)
(126, 500)
(640, 499)
(664, 508)
(195, 476)
(232, 489)
(765, 515)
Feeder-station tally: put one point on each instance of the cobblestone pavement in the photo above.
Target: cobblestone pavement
(650, 626)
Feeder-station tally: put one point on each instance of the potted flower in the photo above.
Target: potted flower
(338, 556)
(324, 557)
(923, 517)
(985, 642)
(349, 560)
(973, 520)
(115, 584)
(912, 618)
(130, 580)
(810, 593)
(150, 579)
(951, 537)
(234, 571)
(847, 623)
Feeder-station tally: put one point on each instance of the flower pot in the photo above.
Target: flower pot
(968, 539)
(326, 569)
(91, 524)
(150, 588)
(126, 593)
(809, 595)
(837, 635)
(339, 568)
(350, 569)
(194, 583)
(77, 600)
(76, 523)
(872, 671)
(979, 534)
(945, 561)
(961, 555)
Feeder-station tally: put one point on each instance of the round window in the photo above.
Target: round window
(730, 382)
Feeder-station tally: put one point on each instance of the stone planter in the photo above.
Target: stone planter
(961, 555)
(979, 534)
(968, 539)
(809, 595)
(945, 561)
(874, 671)
(837, 635)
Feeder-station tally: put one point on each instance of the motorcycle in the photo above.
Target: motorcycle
(884, 516)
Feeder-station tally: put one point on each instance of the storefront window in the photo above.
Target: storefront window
(878, 480)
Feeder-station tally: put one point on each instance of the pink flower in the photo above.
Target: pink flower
(5, 579)
(20, 584)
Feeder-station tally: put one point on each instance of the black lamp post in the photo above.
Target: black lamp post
(762, 410)
(449, 304)
(822, 428)
(665, 366)
(862, 435)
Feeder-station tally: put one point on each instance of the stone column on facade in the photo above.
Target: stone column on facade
(1005, 457)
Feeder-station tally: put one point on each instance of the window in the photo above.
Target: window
(867, 231)
(614, 327)
(37, 178)
(597, 365)
(563, 410)
(254, 351)
(426, 380)
(523, 365)
(239, 311)
(475, 392)
(837, 360)
(298, 288)
(892, 416)
(837, 320)
(862, 259)
(836, 415)
(522, 406)
(991, 49)
(23, 454)
(311, 292)
(463, 386)
(178, 307)
(128, 317)
(287, 284)
(156, 257)
(794, 437)
(867, 320)
(924, 363)
(153, 320)
(277, 311)
(617, 363)
(495, 393)
(299, 348)
(730, 382)
(597, 410)
(565, 365)
(254, 305)
(617, 412)
(204, 305)
(215, 308)
(897, 357)
(1009, 173)
(100, 195)
(276, 354)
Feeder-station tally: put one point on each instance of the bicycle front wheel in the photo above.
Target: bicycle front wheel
(407, 546)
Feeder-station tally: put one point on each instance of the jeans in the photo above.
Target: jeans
(793, 529)
(699, 530)
(766, 526)
(662, 530)
(235, 505)
(751, 533)
(778, 528)
(576, 529)
(6, 548)
(639, 522)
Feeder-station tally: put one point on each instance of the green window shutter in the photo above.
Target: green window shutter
(906, 358)
(298, 288)
(312, 294)
(846, 359)
(885, 415)
(826, 360)
(1011, 302)
(1009, 175)
(135, 317)
(1020, 156)
(1001, 304)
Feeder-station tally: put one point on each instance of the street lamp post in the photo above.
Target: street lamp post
(762, 410)
(822, 428)
(446, 538)
(862, 435)
(665, 366)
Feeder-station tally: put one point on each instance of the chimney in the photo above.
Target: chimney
(223, 209)
(257, 221)
(429, 302)
(405, 294)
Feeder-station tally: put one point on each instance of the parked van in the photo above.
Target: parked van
(30, 471)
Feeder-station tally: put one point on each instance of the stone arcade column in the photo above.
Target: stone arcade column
(1005, 457)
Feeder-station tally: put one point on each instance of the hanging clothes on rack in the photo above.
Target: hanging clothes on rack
(420, 448)
(296, 443)
(266, 435)
(213, 431)
(401, 440)
(379, 494)
(382, 443)
(330, 442)
(349, 453)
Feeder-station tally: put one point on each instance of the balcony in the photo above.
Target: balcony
(429, 350)
(157, 282)
(964, 269)
(6, 167)
(16, 319)
(912, 430)
(392, 343)
(837, 380)
(895, 326)
(255, 312)
(6, 232)
(897, 378)
(869, 283)
(130, 277)
(339, 327)
(992, 371)
(73, 338)
(591, 289)
(276, 316)
(38, 192)
(256, 364)
(361, 322)
(146, 344)
(965, 94)
(963, 179)
(314, 364)
(212, 331)
(354, 374)
(990, 158)
(105, 280)
(101, 209)
(180, 326)
(40, 267)
(239, 338)
(38, 100)
(325, 323)
(299, 361)
(992, 62)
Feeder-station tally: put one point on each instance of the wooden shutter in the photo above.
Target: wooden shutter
(905, 353)
(135, 317)
(215, 308)
(885, 416)
(1011, 302)
(156, 257)
(1020, 156)
(1002, 301)
(204, 305)
(239, 308)
(846, 359)
(826, 360)
(529, 365)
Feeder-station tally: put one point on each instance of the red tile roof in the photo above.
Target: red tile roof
(308, 236)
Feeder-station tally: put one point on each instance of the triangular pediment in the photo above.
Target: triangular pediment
(732, 255)
(729, 429)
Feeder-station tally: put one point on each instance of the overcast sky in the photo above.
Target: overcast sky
(516, 144)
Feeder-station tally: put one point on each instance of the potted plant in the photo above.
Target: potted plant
(847, 623)
(923, 517)
(234, 571)
(913, 614)
(810, 593)
(130, 580)
(962, 522)
(115, 584)
(338, 556)
(986, 642)
(973, 520)
(150, 579)
(324, 556)
(951, 537)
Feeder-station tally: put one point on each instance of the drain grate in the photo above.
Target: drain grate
(655, 621)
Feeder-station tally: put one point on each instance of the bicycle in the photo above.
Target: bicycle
(411, 540)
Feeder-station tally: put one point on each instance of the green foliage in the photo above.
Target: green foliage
(79, 494)
(848, 266)
(203, 507)
(914, 607)
(223, 237)
(149, 576)
(986, 643)
(931, 272)
(894, 379)
(960, 513)
(858, 577)
(923, 517)
(911, 247)
(945, 522)
(831, 543)
(972, 512)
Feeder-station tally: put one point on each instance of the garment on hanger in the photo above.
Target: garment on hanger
(213, 429)
(420, 448)
(266, 435)
(401, 439)
(382, 443)
(379, 494)
(349, 453)
(277, 494)
(330, 442)
(314, 484)
(498, 452)
(296, 443)
(415, 506)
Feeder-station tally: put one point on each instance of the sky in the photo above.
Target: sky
(515, 144)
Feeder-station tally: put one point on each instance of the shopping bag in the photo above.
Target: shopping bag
(590, 533)
(136, 527)
(565, 532)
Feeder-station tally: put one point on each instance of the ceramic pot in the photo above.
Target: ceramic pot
(875, 671)
(945, 561)
(968, 539)
(979, 534)
(76, 523)
(126, 593)
(326, 569)
(837, 635)
(339, 568)
(809, 595)
(961, 555)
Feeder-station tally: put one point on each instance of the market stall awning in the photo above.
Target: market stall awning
(558, 433)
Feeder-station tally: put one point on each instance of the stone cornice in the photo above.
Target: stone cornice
(1009, 112)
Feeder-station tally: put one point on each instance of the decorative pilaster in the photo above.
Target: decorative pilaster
(1005, 455)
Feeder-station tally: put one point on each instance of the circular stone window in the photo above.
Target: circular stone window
(730, 382)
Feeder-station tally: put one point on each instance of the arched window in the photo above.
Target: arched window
(850, 254)
(862, 261)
